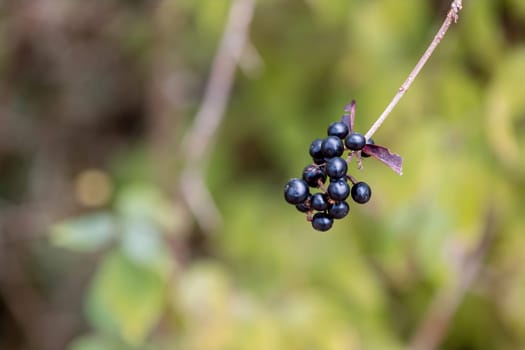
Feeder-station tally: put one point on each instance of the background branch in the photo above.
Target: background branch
(433, 328)
(200, 137)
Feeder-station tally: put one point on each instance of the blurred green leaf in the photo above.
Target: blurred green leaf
(126, 298)
(96, 342)
(517, 8)
(145, 202)
(203, 291)
(142, 243)
(86, 233)
(505, 106)
(483, 33)
(330, 12)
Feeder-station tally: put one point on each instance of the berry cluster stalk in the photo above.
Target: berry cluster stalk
(452, 16)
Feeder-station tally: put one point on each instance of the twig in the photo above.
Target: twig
(199, 139)
(209, 116)
(434, 325)
(452, 16)
(199, 199)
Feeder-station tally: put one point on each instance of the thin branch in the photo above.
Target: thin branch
(199, 199)
(209, 116)
(433, 328)
(200, 138)
(452, 16)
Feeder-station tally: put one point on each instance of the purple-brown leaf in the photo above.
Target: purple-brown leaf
(349, 115)
(394, 161)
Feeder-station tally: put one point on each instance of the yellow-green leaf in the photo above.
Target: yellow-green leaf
(126, 298)
(86, 233)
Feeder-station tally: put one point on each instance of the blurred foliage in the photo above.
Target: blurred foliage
(113, 86)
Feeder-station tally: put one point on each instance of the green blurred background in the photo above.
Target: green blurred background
(99, 249)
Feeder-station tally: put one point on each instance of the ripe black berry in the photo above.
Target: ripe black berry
(315, 149)
(319, 202)
(368, 142)
(339, 210)
(332, 146)
(304, 206)
(296, 191)
(336, 168)
(329, 173)
(355, 141)
(338, 129)
(338, 190)
(361, 192)
(312, 173)
(322, 222)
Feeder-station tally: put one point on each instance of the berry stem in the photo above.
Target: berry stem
(352, 179)
(357, 154)
(452, 16)
(309, 215)
(321, 185)
(349, 157)
(349, 115)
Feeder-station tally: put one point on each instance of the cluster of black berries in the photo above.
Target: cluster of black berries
(329, 204)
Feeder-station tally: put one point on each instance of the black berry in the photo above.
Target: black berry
(355, 141)
(312, 174)
(304, 206)
(368, 142)
(331, 203)
(361, 192)
(336, 168)
(338, 190)
(332, 146)
(322, 222)
(338, 129)
(319, 202)
(315, 149)
(296, 191)
(339, 210)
